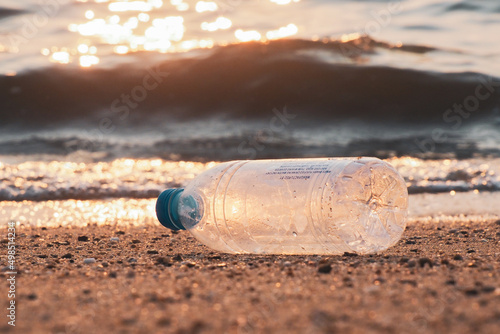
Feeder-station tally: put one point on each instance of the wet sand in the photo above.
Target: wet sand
(440, 278)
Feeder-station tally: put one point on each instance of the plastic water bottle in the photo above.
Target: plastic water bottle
(291, 206)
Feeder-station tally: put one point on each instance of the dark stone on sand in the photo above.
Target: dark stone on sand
(164, 261)
(119, 233)
(177, 258)
(135, 241)
(488, 289)
(424, 260)
(410, 242)
(32, 296)
(458, 257)
(42, 256)
(471, 292)
(83, 238)
(471, 251)
(347, 254)
(67, 256)
(411, 263)
(113, 274)
(451, 281)
(152, 251)
(163, 322)
(325, 269)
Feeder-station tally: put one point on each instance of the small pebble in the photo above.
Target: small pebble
(32, 296)
(350, 254)
(83, 238)
(471, 292)
(114, 239)
(67, 256)
(188, 264)
(488, 289)
(325, 269)
(163, 261)
(451, 281)
(423, 261)
(89, 260)
(458, 257)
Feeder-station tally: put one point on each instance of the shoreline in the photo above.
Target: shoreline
(440, 277)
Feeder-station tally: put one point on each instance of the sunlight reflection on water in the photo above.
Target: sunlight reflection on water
(159, 26)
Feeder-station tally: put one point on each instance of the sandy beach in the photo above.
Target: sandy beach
(106, 104)
(440, 278)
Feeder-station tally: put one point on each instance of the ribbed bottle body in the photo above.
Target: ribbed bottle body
(297, 206)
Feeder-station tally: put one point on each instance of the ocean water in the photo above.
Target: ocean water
(104, 103)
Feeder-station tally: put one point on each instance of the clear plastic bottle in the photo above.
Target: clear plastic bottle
(291, 206)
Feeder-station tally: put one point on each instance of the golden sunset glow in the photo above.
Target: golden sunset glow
(284, 2)
(247, 36)
(282, 32)
(143, 6)
(220, 23)
(88, 60)
(206, 6)
(164, 26)
(61, 57)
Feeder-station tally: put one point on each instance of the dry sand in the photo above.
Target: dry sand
(440, 278)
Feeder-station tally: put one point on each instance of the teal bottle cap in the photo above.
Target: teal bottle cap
(166, 209)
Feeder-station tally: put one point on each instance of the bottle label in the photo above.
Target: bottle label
(300, 171)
